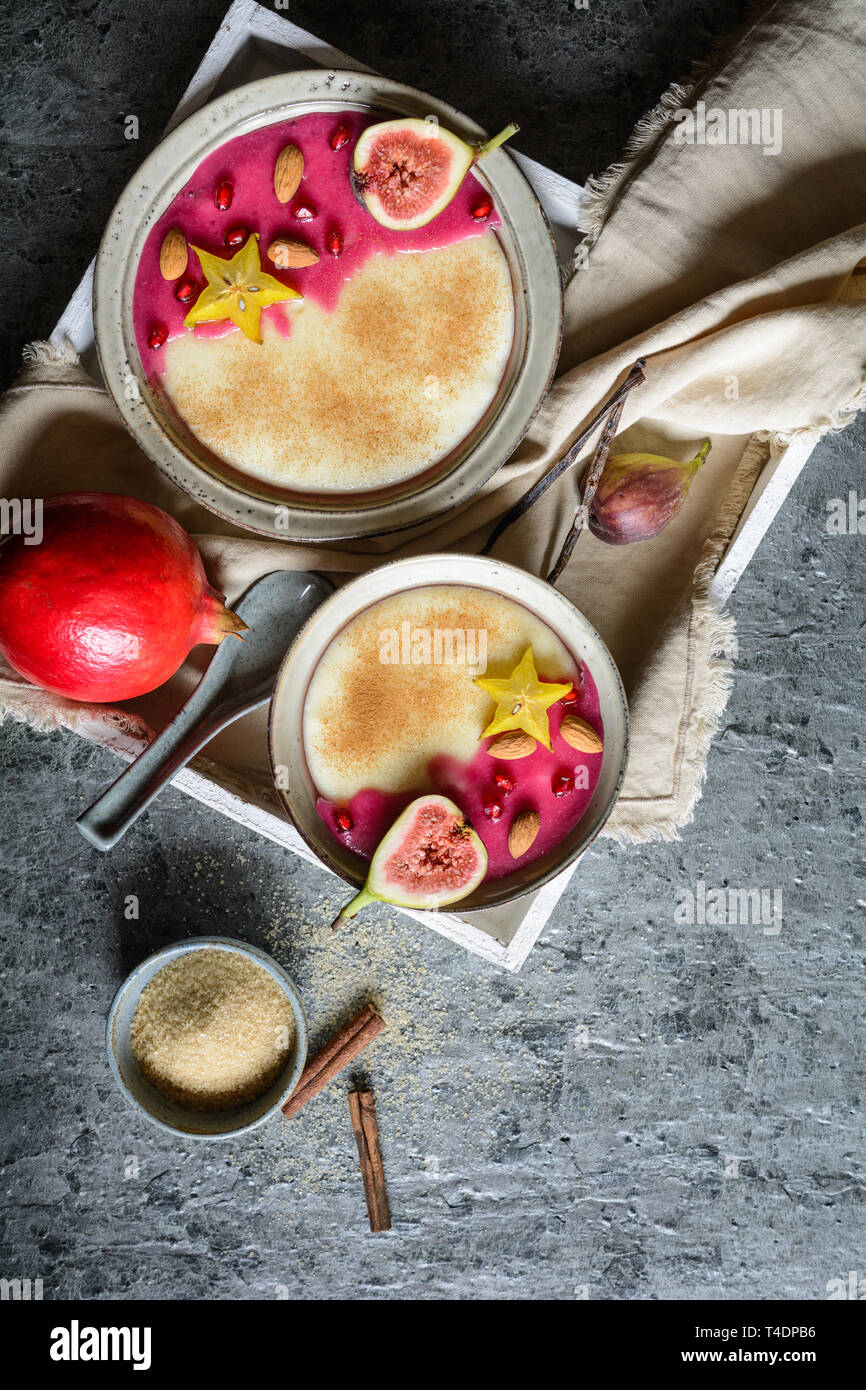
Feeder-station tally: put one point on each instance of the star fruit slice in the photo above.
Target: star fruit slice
(237, 289)
(522, 701)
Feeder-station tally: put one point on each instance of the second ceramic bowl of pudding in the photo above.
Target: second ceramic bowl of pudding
(377, 702)
(397, 383)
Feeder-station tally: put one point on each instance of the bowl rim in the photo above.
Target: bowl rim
(186, 946)
(143, 200)
(449, 557)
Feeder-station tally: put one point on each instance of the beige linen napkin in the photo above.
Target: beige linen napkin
(729, 268)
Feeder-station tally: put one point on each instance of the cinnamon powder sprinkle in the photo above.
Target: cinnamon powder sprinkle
(370, 723)
(360, 721)
(390, 381)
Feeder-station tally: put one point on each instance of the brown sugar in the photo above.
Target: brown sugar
(212, 1029)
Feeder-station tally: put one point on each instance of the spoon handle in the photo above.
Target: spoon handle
(109, 818)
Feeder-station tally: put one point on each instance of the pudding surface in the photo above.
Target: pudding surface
(393, 711)
(370, 721)
(394, 377)
(389, 356)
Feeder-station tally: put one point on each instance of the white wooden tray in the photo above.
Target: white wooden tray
(253, 42)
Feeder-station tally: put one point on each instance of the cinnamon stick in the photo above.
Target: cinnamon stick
(335, 1055)
(363, 1113)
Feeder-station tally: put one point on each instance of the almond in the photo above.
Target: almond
(287, 172)
(514, 744)
(288, 254)
(522, 833)
(580, 735)
(173, 254)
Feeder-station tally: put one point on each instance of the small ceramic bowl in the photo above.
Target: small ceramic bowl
(292, 778)
(143, 1095)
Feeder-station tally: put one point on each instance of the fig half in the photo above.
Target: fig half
(430, 857)
(405, 172)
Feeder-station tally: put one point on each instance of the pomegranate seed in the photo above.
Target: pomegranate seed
(157, 336)
(236, 236)
(305, 212)
(223, 195)
(571, 698)
(334, 242)
(562, 784)
(344, 821)
(504, 782)
(340, 137)
(185, 291)
(492, 808)
(482, 209)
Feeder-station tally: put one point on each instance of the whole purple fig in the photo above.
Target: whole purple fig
(638, 495)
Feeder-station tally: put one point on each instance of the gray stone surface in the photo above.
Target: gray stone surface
(650, 1109)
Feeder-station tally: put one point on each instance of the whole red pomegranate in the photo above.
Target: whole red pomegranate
(110, 602)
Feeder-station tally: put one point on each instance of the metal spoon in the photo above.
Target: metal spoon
(239, 678)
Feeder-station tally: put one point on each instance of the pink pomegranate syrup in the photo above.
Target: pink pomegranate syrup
(245, 167)
(472, 785)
